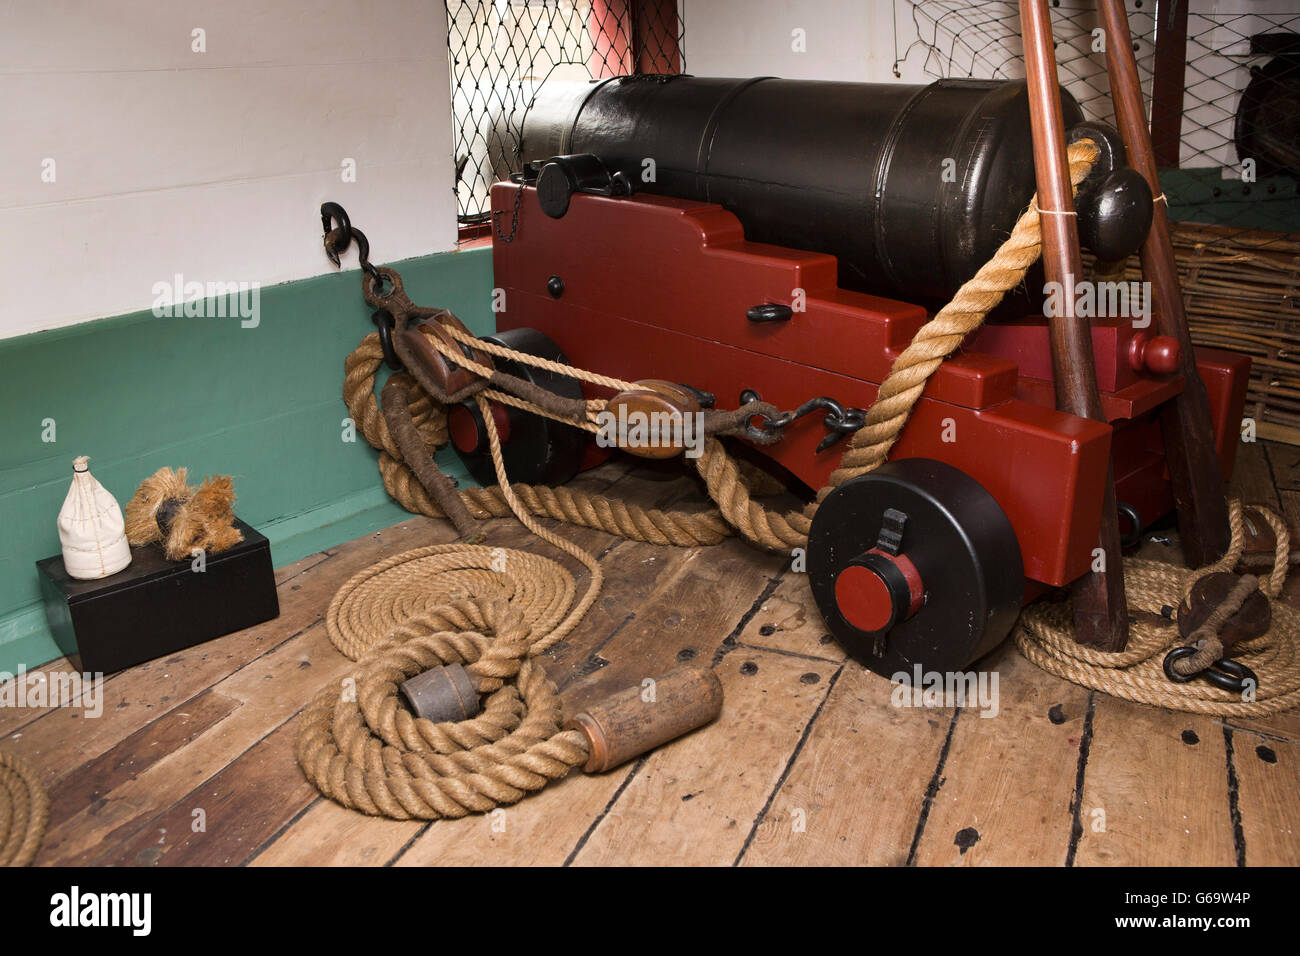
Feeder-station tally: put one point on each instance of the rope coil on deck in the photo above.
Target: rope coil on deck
(434, 606)
(491, 609)
(24, 811)
(1136, 673)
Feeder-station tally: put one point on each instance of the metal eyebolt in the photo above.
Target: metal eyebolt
(385, 324)
(1225, 673)
(337, 239)
(770, 430)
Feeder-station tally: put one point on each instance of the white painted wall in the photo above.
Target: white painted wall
(211, 164)
(844, 39)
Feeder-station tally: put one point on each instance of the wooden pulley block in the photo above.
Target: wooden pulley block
(654, 420)
(1251, 620)
(449, 377)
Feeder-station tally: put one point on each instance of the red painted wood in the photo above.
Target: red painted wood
(863, 598)
(657, 288)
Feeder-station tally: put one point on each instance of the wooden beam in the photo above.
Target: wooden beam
(1167, 85)
(1188, 434)
(633, 36)
(1100, 609)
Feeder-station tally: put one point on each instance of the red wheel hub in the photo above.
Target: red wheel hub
(877, 590)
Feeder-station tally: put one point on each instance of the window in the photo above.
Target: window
(500, 53)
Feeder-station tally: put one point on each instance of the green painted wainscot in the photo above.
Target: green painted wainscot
(137, 392)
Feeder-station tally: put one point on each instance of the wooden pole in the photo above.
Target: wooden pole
(1100, 609)
(1167, 86)
(1188, 434)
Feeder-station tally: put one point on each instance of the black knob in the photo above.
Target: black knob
(555, 286)
(556, 184)
(769, 312)
(1115, 216)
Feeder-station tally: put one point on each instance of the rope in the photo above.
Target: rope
(935, 341)
(1043, 635)
(491, 609)
(24, 811)
(869, 447)
(572, 506)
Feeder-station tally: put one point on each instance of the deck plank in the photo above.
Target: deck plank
(1161, 780)
(264, 695)
(687, 808)
(855, 794)
(1266, 765)
(1010, 777)
(214, 727)
(789, 622)
(241, 806)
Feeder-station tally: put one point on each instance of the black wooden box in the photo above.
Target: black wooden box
(155, 606)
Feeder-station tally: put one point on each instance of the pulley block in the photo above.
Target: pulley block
(535, 449)
(915, 563)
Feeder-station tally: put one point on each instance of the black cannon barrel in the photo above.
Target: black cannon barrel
(913, 188)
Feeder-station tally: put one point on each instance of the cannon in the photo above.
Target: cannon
(786, 239)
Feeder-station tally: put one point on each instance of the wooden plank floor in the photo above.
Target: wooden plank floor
(191, 761)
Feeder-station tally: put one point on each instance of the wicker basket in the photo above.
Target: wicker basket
(1242, 293)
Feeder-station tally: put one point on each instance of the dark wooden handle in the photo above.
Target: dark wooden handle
(644, 716)
(1188, 432)
(1100, 609)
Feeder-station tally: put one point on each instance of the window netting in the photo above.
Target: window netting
(1240, 92)
(502, 51)
(1236, 233)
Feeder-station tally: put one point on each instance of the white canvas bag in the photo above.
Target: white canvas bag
(91, 528)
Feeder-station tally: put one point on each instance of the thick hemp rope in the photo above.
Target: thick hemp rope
(24, 811)
(1043, 634)
(494, 610)
(490, 609)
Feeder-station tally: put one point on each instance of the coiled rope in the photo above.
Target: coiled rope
(24, 811)
(1043, 635)
(491, 609)
(495, 610)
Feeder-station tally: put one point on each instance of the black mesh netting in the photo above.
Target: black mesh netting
(1240, 99)
(1236, 232)
(501, 51)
